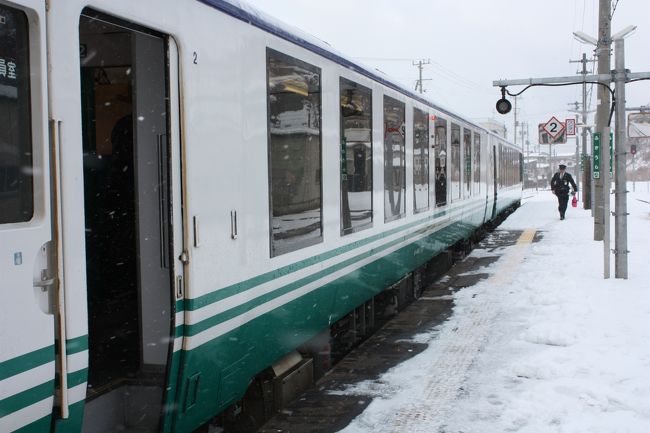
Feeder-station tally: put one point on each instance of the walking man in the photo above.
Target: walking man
(560, 187)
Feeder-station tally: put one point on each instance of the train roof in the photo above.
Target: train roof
(249, 14)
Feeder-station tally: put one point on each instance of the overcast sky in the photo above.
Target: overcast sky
(473, 42)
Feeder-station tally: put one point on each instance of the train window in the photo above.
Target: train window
(420, 160)
(467, 148)
(16, 166)
(356, 156)
(502, 166)
(294, 119)
(455, 161)
(394, 159)
(477, 163)
(441, 162)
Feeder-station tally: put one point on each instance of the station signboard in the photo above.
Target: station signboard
(597, 160)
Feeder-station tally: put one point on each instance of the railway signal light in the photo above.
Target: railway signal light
(503, 105)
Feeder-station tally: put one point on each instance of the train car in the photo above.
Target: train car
(191, 193)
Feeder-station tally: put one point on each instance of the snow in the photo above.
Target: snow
(546, 344)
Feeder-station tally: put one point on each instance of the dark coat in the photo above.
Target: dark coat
(560, 186)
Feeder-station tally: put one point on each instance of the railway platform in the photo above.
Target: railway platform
(332, 404)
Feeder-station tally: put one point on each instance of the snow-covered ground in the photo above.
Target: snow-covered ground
(546, 344)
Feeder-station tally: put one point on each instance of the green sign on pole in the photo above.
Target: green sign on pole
(597, 154)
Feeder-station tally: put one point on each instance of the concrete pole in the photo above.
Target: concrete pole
(586, 184)
(620, 157)
(577, 170)
(606, 181)
(602, 113)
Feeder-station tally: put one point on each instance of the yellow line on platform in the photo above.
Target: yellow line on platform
(527, 236)
(513, 258)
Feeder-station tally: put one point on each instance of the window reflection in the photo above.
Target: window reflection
(477, 163)
(394, 159)
(16, 170)
(441, 162)
(455, 161)
(356, 156)
(294, 100)
(420, 160)
(467, 147)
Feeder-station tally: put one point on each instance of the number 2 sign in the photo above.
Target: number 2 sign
(554, 127)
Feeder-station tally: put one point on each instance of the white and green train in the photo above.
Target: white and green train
(190, 192)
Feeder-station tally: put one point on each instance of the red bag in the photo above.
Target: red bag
(574, 202)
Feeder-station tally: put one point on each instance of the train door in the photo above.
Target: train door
(28, 270)
(128, 222)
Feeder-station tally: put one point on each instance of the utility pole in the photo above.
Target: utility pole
(602, 112)
(516, 123)
(578, 173)
(585, 160)
(620, 158)
(420, 64)
(605, 176)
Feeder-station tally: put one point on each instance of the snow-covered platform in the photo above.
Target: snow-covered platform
(523, 335)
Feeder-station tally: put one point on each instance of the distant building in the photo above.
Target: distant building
(495, 126)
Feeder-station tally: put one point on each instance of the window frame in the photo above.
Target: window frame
(402, 206)
(424, 115)
(343, 158)
(26, 192)
(281, 56)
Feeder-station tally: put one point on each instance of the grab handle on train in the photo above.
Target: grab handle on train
(57, 233)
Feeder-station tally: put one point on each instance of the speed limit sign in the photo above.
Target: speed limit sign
(554, 127)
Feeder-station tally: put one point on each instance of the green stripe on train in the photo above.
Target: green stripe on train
(40, 426)
(240, 309)
(26, 362)
(70, 425)
(36, 358)
(26, 398)
(477, 210)
(215, 296)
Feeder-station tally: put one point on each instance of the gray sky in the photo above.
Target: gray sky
(473, 42)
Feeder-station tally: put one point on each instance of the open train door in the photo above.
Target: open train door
(28, 269)
(114, 98)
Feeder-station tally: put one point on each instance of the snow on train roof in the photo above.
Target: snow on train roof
(249, 14)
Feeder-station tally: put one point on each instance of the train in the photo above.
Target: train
(195, 199)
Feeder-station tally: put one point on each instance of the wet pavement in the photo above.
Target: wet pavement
(324, 409)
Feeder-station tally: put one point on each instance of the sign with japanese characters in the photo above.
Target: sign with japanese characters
(8, 71)
(8, 51)
(570, 125)
(597, 159)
